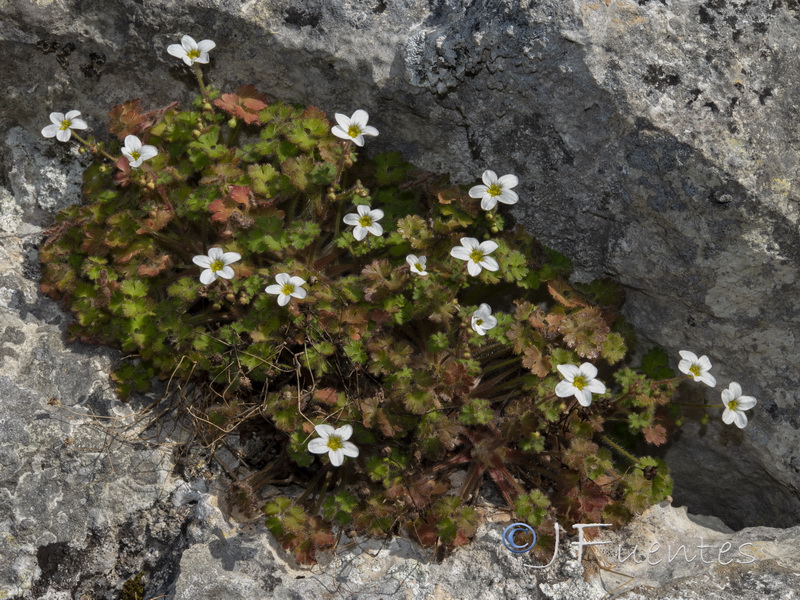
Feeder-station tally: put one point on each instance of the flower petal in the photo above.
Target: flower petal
(508, 181)
(704, 362)
(215, 253)
(412, 260)
(63, 135)
(375, 229)
(50, 131)
(746, 402)
(369, 130)
(596, 386)
(148, 152)
(470, 242)
(57, 118)
(588, 370)
(363, 210)
(337, 457)
(339, 132)
(735, 389)
(297, 281)
(690, 356)
(708, 379)
(489, 263)
(318, 445)
(207, 277)
(231, 257)
(324, 430)
(358, 140)
(351, 219)
(488, 246)
(565, 389)
(360, 232)
(202, 59)
(299, 293)
(584, 397)
(206, 45)
(343, 121)
(489, 178)
(133, 143)
(188, 43)
(740, 419)
(460, 253)
(508, 197)
(73, 114)
(283, 299)
(226, 272)
(570, 372)
(685, 365)
(176, 50)
(344, 432)
(201, 260)
(360, 118)
(283, 278)
(349, 449)
(473, 268)
(488, 202)
(274, 289)
(728, 416)
(78, 123)
(376, 214)
(478, 191)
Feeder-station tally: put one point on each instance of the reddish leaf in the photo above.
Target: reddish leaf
(326, 396)
(154, 267)
(533, 360)
(244, 104)
(655, 435)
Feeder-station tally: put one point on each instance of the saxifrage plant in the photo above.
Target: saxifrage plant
(374, 315)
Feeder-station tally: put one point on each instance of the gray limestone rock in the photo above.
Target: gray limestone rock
(655, 141)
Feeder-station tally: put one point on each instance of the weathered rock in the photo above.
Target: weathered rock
(750, 565)
(655, 141)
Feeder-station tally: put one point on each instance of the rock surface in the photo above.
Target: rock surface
(656, 141)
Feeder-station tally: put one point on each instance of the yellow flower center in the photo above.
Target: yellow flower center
(494, 190)
(136, 156)
(287, 289)
(193, 54)
(579, 382)
(217, 265)
(65, 124)
(733, 404)
(354, 131)
(335, 442)
(695, 370)
(479, 322)
(476, 255)
(419, 267)
(365, 221)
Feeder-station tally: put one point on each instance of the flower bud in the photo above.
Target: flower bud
(490, 216)
(678, 422)
(230, 297)
(104, 168)
(150, 185)
(206, 106)
(196, 132)
(81, 150)
(232, 122)
(494, 229)
(331, 196)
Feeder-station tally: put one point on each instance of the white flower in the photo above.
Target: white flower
(190, 51)
(333, 441)
(579, 382)
(286, 288)
(353, 128)
(135, 152)
(216, 265)
(62, 126)
(417, 264)
(735, 405)
(365, 221)
(496, 189)
(476, 254)
(482, 319)
(696, 368)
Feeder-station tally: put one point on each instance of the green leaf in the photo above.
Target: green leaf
(655, 364)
